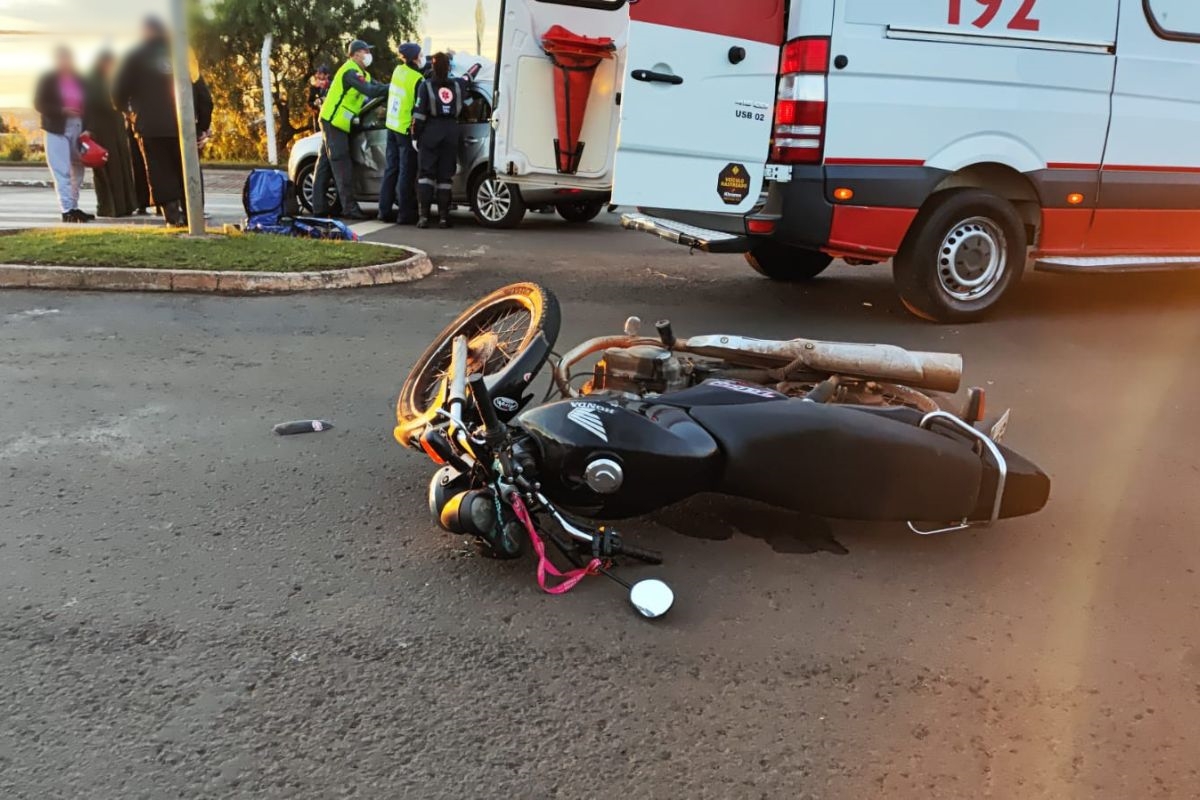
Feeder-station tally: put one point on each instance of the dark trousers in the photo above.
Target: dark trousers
(334, 163)
(141, 183)
(164, 168)
(399, 179)
(437, 159)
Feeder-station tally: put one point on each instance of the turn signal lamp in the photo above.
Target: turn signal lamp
(1074, 198)
(843, 194)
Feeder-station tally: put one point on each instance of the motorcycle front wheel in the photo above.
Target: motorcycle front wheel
(498, 329)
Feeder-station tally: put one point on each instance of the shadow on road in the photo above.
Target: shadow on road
(715, 517)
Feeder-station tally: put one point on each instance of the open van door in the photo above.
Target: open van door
(525, 122)
(697, 104)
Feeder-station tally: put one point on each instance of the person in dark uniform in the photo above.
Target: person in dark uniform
(435, 132)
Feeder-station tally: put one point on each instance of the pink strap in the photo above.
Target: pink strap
(572, 577)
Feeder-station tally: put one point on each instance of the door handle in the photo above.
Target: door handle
(472, 140)
(648, 76)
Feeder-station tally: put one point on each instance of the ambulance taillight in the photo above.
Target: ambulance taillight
(799, 133)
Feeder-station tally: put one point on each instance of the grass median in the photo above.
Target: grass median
(140, 248)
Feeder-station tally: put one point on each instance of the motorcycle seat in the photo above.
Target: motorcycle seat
(841, 462)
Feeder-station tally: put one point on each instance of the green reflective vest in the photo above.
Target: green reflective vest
(342, 105)
(402, 96)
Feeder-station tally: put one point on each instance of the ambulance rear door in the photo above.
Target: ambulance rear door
(525, 118)
(697, 104)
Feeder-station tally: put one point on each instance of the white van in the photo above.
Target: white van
(961, 138)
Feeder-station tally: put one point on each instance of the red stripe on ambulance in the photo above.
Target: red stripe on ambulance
(754, 20)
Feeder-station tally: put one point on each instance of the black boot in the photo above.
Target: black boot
(174, 214)
(424, 205)
(443, 198)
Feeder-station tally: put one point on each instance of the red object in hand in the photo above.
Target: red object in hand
(575, 59)
(91, 153)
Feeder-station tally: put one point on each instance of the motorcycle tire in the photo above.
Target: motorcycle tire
(515, 314)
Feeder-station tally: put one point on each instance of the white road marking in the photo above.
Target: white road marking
(369, 227)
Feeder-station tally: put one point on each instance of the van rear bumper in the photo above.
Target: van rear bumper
(802, 217)
(697, 237)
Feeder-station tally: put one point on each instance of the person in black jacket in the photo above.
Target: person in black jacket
(60, 100)
(116, 195)
(435, 132)
(146, 86)
(318, 88)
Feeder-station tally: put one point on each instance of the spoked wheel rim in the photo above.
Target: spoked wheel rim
(495, 341)
(494, 199)
(972, 259)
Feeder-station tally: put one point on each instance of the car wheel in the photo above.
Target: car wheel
(579, 211)
(781, 262)
(306, 179)
(965, 250)
(494, 203)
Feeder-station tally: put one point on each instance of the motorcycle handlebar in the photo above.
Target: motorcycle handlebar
(493, 430)
(641, 554)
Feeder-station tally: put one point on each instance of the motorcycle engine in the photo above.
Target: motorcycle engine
(639, 371)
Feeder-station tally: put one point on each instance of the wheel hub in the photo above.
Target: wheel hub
(972, 259)
(494, 200)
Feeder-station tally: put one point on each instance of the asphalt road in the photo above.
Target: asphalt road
(196, 608)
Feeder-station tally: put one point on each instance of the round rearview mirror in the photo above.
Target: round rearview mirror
(652, 598)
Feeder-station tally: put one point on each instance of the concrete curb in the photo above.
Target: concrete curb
(116, 279)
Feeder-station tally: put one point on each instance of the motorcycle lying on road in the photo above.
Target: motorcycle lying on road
(830, 429)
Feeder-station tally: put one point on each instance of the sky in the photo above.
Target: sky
(30, 29)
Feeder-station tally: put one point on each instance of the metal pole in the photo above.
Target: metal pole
(269, 101)
(185, 110)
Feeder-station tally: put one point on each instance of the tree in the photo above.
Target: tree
(3, 125)
(228, 40)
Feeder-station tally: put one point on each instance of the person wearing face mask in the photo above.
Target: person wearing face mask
(399, 179)
(348, 93)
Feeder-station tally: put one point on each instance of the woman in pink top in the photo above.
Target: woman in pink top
(60, 101)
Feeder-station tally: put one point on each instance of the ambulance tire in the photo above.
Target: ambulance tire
(965, 250)
(781, 262)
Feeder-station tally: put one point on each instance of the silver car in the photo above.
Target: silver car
(494, 203)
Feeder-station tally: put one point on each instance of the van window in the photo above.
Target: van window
(1174, 19)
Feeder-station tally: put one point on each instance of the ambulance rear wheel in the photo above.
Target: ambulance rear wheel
(964, 251)
(780, 262)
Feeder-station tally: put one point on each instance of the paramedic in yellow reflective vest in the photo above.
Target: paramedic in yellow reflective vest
(400, 177)
(435, 130)
(348, 93)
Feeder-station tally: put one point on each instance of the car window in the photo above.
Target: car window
(374, 116)
(476, 109)
(1175, 18)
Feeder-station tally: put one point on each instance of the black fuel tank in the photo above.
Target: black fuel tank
(663, 455)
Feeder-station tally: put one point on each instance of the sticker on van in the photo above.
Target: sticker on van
(733, 184)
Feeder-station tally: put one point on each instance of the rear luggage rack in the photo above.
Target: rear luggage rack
(990, 447)
(709, 241)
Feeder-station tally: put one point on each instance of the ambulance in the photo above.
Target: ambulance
(963, 140)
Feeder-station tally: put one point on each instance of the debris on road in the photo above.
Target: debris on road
(302, 426)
